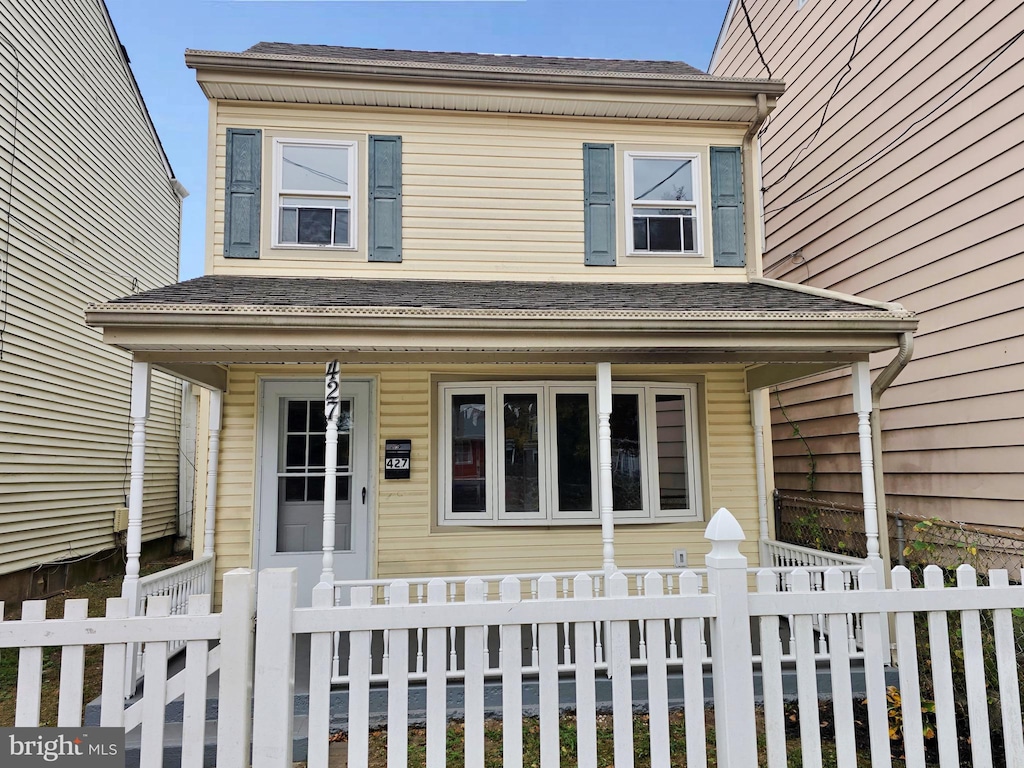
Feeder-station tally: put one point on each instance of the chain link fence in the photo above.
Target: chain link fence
(916, 542)
(913, 541)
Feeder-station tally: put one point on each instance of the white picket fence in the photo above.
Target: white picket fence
(673, 581)
(159, 631)
(256, 694)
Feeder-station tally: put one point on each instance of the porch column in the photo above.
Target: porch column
(757, 421)
(139, 413)
(332, 402)
(862, 405)
(213, 458)
(604, 454)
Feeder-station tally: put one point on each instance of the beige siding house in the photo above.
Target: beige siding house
(89, 209)
(893, 170)
(526, 290)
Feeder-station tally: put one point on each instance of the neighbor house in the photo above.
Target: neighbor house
(893, 170)
(528, 292)
(90, 208)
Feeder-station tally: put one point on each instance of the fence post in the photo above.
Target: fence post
(234, 720)
(273, 712)
(731, 650)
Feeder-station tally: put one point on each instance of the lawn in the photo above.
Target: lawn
(567, 741)
(96, 592)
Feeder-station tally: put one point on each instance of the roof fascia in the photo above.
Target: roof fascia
(207, 61)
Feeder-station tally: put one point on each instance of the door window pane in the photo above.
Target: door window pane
(670, 417)
(572, 440)
(522, 455)
(469, 453)
(625, 426)
(300, 506)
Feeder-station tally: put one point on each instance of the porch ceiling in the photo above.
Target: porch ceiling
(220, 320)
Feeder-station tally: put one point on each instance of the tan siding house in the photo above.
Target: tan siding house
(541, 283)
(893, 170)
(89, 209)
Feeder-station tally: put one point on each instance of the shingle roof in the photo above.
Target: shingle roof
(548, 297)
(550, 64)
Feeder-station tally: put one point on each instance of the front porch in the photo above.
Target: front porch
(542, 427)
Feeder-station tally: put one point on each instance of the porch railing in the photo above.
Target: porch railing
(177, 584)
(673, 581)
(782, 554)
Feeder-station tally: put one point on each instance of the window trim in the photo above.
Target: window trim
(696, 173)
(492, 392)
(279, 143)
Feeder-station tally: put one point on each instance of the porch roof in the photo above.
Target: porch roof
(223, 319)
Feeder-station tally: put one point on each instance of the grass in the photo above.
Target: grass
(96, 592)
(567, 743)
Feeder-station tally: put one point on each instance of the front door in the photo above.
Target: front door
(291, 487)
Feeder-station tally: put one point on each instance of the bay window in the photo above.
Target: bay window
(525, 453)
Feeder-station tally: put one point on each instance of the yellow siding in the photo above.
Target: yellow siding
(408, 542)
(500, 194)
(91, 216)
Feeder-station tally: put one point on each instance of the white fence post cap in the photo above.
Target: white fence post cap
(724, 527)
(725, 534)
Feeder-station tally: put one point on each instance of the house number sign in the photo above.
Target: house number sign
(397, 462)
(331, 392)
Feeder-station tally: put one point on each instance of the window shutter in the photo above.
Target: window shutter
(727, 206)
(599, 204)
(385, 198)
(242, 194)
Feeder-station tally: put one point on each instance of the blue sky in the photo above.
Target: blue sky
(157, 34)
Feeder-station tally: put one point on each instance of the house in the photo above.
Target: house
(892, 170)
(90, 209)
(527, 291)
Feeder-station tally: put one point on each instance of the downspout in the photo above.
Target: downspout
(880, 384)
(757, 217)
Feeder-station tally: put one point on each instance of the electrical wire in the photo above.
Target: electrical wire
(757, 45)
(946, 102)
(5, 267)
(847, 69)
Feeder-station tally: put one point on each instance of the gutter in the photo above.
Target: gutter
(878, 386)
(456, 74)
(750, 178)
(894, 368)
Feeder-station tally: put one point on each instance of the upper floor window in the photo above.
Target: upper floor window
(663, 193)
(314, 204)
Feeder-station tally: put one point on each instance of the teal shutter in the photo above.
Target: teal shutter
(599, 204)
(727, 206)
(385, 158)
(242, 194)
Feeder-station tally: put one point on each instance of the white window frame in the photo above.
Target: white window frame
(592, 515)
(694, 205)
(351, 196)
(447, 454)
(493, 396)
(499, 457)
